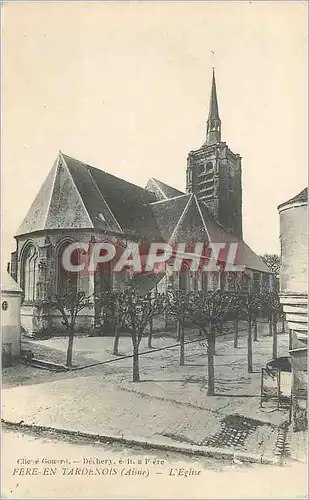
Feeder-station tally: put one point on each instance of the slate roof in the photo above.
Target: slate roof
(302, 196)
(167, 214)
(219, 234)
(162, 191)
(8, 284)
(124, 205)
(77, 195)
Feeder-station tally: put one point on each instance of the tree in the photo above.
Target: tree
(113, 306)
(276, 309)
(258, 305)
(265, 300)
(236, 308)
(251, 303)
(207, 311)
(273, 261)
(146, 283)
(178, 307)
(149, 343)
(69, 304)
(140, 309)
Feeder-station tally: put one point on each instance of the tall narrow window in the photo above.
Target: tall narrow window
(66, 280)
(183, 281)
(204, 279)
(222, 281)
(29, 273)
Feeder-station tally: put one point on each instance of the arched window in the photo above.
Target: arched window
(201, 168)
(66, 280)
(29, 273)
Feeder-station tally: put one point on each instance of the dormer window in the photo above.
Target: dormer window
(101, 217)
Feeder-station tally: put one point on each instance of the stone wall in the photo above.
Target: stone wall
(214, 175)
(35, 316)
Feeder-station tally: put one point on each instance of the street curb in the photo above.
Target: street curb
(107, 361)
(150, 444)
(45, 365)
(127, 356)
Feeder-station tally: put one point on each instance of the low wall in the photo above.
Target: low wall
(10, 327)
(37, 321)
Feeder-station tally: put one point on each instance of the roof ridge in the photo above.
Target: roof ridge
(105, 172)
(156, 181)
(168, 185)
(226, 229)
(169, 199)
(185, 209)
(77, 190)
(104, 200)
(202, 217)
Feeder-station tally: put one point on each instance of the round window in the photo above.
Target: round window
(5, 305)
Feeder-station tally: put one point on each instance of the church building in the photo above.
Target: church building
(78, 202)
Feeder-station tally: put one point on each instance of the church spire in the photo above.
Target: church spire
(213, 134)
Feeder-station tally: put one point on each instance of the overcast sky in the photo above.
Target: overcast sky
(125, 87)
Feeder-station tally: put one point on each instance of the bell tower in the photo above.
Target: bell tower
(214, 172)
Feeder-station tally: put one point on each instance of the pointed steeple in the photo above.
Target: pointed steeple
(213, 134)
(213, 107)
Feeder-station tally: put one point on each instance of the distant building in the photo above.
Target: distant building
(78, 202)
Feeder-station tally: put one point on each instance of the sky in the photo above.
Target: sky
(125, 86)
